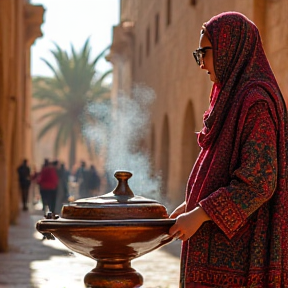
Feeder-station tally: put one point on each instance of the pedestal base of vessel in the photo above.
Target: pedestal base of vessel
(107, 275)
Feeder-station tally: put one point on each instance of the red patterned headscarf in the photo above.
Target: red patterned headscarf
(240, 63)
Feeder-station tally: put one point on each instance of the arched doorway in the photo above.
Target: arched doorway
(189, 146)
(165, 147)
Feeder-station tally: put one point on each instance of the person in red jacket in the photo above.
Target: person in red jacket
(48, 181)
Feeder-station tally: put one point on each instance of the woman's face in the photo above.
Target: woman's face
(207, 63)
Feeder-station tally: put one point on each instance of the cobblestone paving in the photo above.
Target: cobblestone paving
(32, 263)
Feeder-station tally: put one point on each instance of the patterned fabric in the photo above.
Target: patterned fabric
(240, 176)
(198, 285)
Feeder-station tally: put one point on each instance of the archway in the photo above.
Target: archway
(189, 146)
(165, 147)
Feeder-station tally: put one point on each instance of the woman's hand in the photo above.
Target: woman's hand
(188, 223)
(179, 210)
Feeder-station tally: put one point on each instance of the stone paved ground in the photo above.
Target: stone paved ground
(33, 263)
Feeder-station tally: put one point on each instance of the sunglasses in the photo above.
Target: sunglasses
(200, 53)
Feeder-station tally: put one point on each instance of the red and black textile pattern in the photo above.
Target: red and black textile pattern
(240, 176)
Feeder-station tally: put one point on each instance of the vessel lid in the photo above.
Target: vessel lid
(119, 204)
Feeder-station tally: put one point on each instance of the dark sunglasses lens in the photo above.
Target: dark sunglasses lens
(197, 57)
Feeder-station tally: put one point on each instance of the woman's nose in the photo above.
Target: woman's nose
(202, 65)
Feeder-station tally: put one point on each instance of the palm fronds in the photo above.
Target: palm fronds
(67, 94)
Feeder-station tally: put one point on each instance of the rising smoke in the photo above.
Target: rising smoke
(119, 128)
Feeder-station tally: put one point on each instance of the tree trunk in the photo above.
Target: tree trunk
(72, 152)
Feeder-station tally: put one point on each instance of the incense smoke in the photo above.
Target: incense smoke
(119, 129)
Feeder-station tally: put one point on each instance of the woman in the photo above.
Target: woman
(234, 221)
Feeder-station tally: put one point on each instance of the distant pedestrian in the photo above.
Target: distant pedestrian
(62, 189)
(93, 181)
(34, 186)
(81, 178)
(24, 182)
(48, 181)
(43, 198)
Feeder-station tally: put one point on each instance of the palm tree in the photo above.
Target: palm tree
(73, 88)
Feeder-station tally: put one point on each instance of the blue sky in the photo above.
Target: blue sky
(69, 22)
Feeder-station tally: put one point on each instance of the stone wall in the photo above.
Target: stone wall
(165, 63)
(19, 27)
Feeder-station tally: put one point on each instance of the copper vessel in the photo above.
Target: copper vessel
(112, 229)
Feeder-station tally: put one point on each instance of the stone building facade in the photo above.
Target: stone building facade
(19, 26)
(153, 45)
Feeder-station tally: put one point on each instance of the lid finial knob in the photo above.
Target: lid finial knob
(123, 188)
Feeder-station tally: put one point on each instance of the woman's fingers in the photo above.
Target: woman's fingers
(173, 230)
(173, 216)
(177, 235)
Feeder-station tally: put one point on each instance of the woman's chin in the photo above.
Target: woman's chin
(213, 78)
